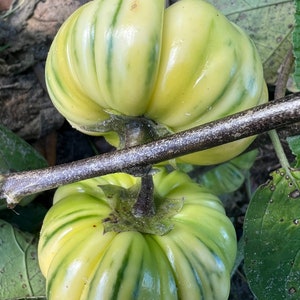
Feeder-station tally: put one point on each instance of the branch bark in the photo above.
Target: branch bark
(254, 121)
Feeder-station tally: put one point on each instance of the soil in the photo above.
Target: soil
(27, 29)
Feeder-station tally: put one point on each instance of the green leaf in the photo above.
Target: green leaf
(17, 155)
(296, 41)
(294, 144)
(20, 275)
(272, 239)
(228, 177)
(269, 23)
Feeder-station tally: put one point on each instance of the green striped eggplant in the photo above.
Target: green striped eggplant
(83, 259)
(179, 67)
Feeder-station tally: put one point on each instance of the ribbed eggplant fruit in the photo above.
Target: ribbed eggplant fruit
(178, 67)
(92, 248)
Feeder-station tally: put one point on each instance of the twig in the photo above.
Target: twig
(280, 91)
(284, 75)
(250, 122)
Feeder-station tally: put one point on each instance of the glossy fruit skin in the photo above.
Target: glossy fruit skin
(180, 67)
(192, 261)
